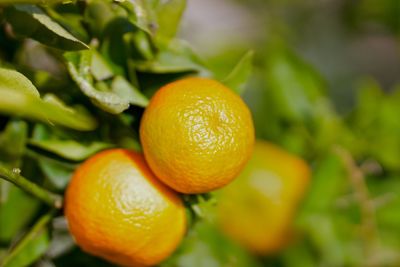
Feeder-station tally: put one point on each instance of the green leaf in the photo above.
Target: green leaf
(376, 125)
(388, 188)
(139, 45)
(12, 143)
(115, 45)
(169, 15)
(323, 234)
(298, 254)
(139, 15)
(70, 21)
(41, 27)
(328, 181)
(79, 68)
(58, 173)
(177, 57)
(16, 210)
(294, 86)
(159, 19)
(69, 149)
(21, 99)
(236, 80)
(16, 207)
(126, 90)
(99, 67)
(97, 14)
(205, 246)
(31, 247)
(13, 79)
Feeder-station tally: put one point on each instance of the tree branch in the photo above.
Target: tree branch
(14, 177)
(370, 233)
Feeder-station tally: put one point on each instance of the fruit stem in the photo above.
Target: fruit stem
(13, 176)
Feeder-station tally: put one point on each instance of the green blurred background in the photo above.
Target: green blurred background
(316, 62)
(326, 77)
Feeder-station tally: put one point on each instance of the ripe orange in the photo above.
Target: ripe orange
(116, 209)
(196, 135)
(257, 209)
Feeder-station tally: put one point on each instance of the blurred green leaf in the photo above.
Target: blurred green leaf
(17, 99)
(177, 57)
(70, 21)
(97, 15)
(168, 15)
(20, 104)
(16, 210)
(99, 67)
(298, 254)
(293, 84)
(58, 173)
(115, 46)
(16, 207)
(124, 89)
(376, 125)
(205, 246)
(323, 234)
(387, 193)
(328, 182)
(237, 79)
(139, 45)
(14, 79)
(12, 142)
(385, 13)
(41, 27)
(31, 247)
(139, 14)
(69, 149)
(31, 252)
(79, 69)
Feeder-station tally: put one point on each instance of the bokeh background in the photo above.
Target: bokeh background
(325, 86)
(345, 41)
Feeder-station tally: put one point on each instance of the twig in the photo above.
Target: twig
(14, 177)
(370, 233)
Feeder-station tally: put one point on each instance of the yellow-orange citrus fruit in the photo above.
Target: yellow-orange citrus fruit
(116, 209)
(196, 135)
(257, 209)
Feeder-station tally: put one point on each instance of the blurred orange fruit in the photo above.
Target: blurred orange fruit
(117, 210)
(196, 135)
(257, 209)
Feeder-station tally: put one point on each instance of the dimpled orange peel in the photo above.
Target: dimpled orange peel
(116, 209)
(196, 135)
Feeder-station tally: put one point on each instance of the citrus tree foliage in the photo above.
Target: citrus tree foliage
(75, 77)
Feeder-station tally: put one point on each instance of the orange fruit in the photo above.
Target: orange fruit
(257, 209)
(196, 135)
(116, 209)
